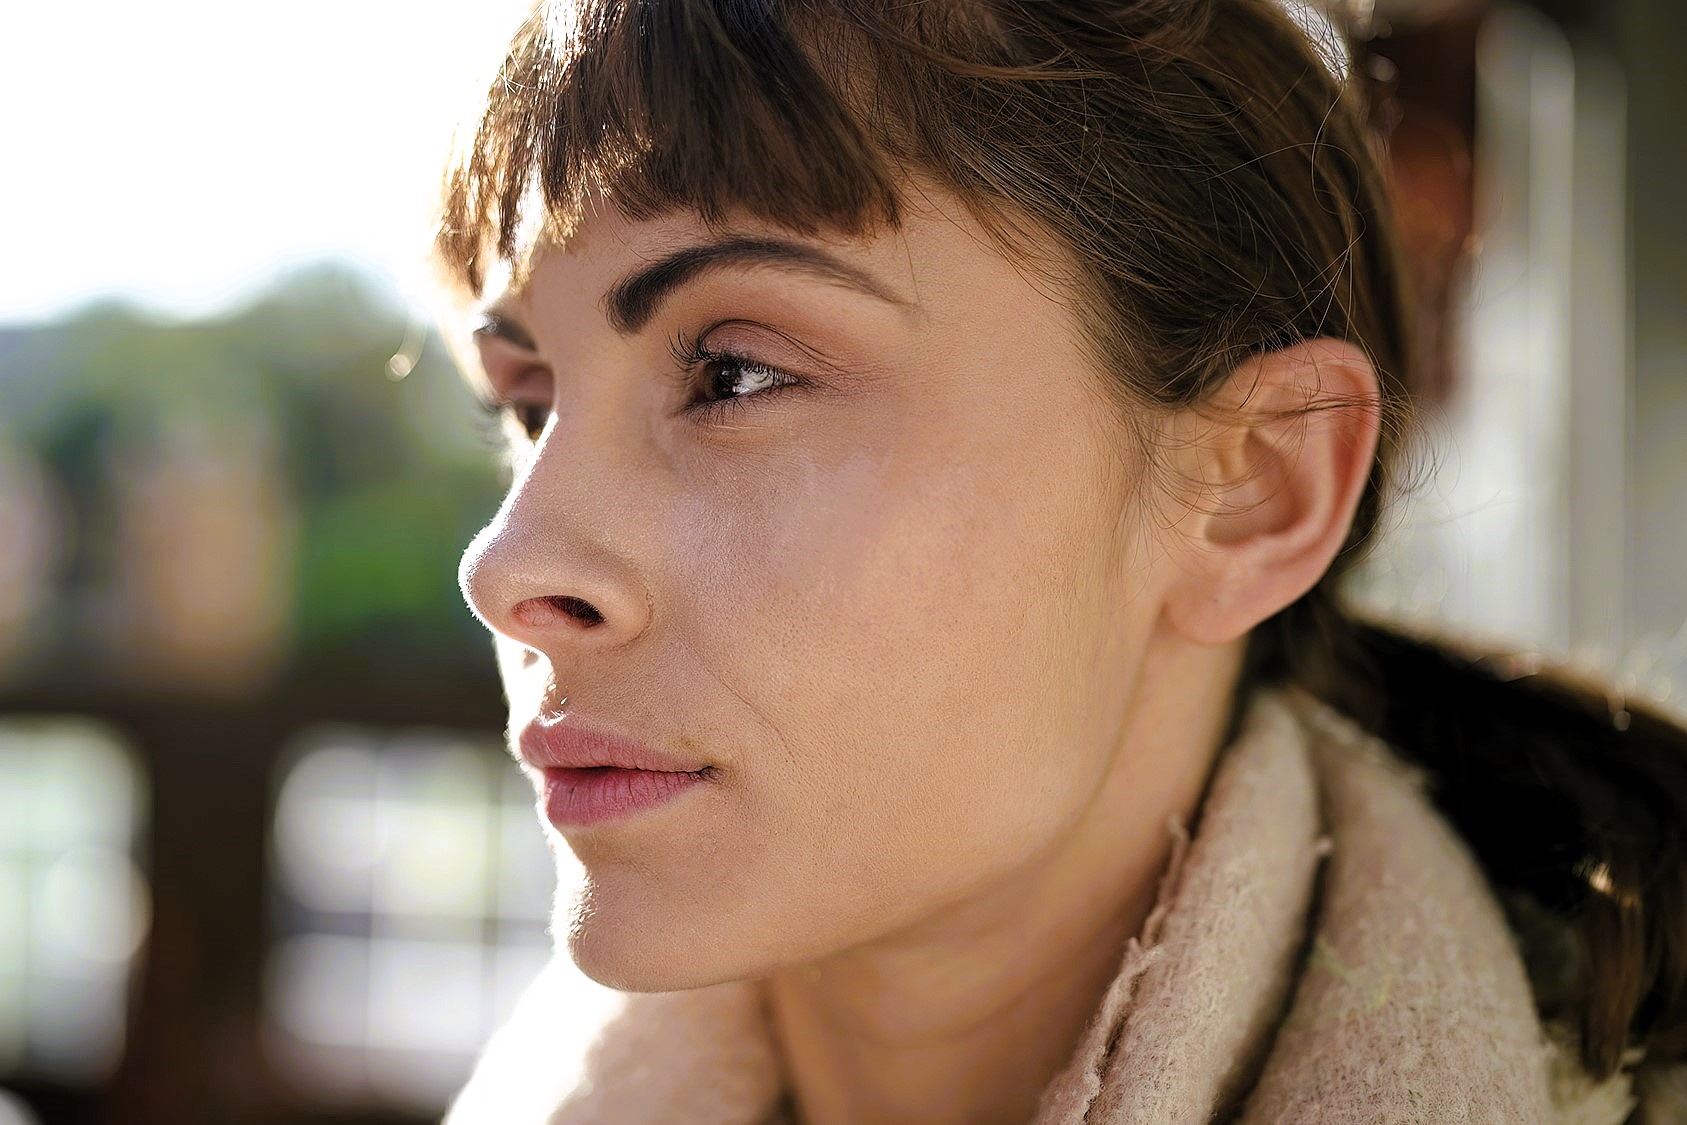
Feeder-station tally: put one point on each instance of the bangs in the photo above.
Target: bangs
(1121, 164)
(660, 105)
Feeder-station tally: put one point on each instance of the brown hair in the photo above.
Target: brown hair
(1221, 192)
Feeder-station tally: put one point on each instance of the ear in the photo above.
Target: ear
(1279, 463)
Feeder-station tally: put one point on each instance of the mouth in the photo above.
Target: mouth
(593, 775)
(581, 796)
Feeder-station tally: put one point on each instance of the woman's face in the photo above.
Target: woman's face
(896, 604)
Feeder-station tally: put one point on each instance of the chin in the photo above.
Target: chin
(624, 946)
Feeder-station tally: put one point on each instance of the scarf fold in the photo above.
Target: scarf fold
(1323, 949)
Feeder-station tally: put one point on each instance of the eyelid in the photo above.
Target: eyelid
(506, 364)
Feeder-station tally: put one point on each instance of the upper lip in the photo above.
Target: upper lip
(570, 742)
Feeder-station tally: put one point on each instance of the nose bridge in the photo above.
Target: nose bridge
(564, 556)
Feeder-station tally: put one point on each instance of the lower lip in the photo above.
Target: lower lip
(604, 793)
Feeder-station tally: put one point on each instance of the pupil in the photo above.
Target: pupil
(727, 378)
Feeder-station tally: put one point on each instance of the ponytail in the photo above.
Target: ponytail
(1573, 799)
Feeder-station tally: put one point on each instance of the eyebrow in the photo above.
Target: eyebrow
(631, 302)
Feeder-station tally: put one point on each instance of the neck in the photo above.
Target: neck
(967, 1015)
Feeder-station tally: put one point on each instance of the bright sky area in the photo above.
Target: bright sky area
(181, 153)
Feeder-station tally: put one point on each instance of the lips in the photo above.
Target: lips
(568, 742)
(594, 776)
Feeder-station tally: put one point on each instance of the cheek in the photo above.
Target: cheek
(844, 589)
(919, 637)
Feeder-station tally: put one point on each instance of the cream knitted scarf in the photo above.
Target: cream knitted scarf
(1324, 949)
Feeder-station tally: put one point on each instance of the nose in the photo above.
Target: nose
(555, 571)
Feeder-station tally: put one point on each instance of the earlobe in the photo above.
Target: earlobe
(1282, 461)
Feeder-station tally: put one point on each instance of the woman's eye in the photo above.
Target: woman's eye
(724, 380)
(530, 416)
(527, 417)
(729, 377)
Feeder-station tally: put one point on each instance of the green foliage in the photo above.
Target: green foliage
(386, 480)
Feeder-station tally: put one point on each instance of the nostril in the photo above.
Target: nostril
(581, 611)
(537, 613)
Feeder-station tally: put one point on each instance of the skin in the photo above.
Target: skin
(953, 656)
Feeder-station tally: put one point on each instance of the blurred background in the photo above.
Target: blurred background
(262, 856)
